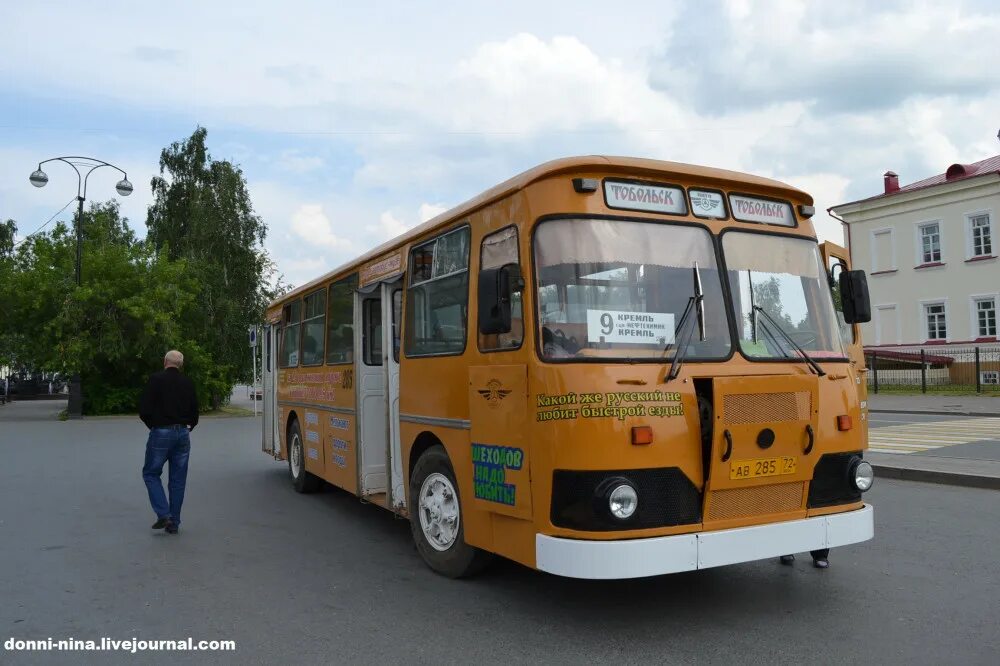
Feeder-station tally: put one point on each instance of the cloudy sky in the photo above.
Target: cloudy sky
(354, 121)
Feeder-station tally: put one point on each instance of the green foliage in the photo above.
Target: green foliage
(202, 214)
(115, 328)
(195, 284)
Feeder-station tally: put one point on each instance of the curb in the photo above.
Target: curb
(936, 476)
(934, 413)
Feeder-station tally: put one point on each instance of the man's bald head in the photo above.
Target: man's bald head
(173, 359)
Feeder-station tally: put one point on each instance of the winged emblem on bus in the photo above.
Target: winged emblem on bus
(494, 392)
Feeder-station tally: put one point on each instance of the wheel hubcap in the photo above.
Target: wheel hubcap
(439, 513)
(296, 454)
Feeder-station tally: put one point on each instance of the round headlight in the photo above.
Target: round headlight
(863, 475)
(623, 501)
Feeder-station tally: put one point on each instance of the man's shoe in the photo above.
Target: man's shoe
(821, 563)
(787, 559)
(161, 523)
(171, 527)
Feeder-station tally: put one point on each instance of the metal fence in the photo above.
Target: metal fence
(934, 369)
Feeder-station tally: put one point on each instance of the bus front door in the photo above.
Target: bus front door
(371, 383)
(269, 397)
(392, 299)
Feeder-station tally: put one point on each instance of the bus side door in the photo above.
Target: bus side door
(835, 260)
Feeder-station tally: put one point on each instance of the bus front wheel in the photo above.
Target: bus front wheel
(303, 481)
(436, 518)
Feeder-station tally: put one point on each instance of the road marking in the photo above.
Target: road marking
(910, 437)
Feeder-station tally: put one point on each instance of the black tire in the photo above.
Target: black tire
(459, 559)
(303, 481)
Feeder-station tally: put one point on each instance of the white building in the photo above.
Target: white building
(931, 253)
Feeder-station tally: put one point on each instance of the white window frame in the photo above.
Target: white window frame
(974, 313)
(919, 242)
(892, 248)
(969, 245)
(878, 324)
(984, 373)
(922, 316)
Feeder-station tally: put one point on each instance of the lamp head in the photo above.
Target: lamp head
(38, 178)
(124, 187)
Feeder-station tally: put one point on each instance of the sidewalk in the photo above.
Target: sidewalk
(962, 405)
(968, 472)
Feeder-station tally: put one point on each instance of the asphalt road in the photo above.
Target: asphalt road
(324, 578)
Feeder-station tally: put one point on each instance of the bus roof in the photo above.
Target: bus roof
(545, 170)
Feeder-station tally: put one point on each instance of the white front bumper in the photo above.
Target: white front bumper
(635, 558)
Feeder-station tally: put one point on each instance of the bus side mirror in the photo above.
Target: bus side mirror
(854, 297)
(496, 287)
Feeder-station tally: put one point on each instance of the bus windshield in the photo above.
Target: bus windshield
(613, 289)
(784, 278)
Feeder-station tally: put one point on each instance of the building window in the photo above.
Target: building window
(989, 377)
(986, 317)
(982, 239)
(930, 243)
(937, 328)
(883, 256)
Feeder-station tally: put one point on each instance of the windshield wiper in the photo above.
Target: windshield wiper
(683, 332)
(784, 334)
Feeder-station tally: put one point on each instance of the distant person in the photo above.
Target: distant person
(169, 408)
(820, 558)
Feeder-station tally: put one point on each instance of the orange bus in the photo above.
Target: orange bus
(600, 368)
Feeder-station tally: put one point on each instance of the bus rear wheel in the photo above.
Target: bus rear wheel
(436, 518)
(303, 481)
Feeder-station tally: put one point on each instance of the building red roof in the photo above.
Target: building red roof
(955, 172)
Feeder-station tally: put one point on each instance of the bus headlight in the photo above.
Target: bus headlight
(623, 501)
(862, 475)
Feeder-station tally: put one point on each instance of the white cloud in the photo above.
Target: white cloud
(428, 210)
(312, 225)
(826, 96)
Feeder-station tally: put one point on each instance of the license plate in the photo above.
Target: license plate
(757, 467)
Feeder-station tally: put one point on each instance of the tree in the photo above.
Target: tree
(116, 326)
(202, 213)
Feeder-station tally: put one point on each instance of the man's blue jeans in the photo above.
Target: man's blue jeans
(173, 445)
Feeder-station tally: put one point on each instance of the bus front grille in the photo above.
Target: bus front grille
(766, 407)
(754, 501)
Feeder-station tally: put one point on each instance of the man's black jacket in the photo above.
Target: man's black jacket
(169, 399)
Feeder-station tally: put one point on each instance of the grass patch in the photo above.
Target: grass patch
(229, 410)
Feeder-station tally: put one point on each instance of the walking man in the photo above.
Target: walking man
(169, 408)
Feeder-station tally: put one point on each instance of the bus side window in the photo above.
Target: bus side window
(437, 296)
(846, 330)
(267, 348)
(371, 332)
(340, 321)
(500, 249)
(290, 338)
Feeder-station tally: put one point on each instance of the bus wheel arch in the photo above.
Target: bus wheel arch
(436, 514)
(303, 481)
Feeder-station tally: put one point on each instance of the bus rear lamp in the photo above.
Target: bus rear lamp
(844, 423)
(806, 211)
(623, 501)
(583, 185)
(862, 475)
(642, 435)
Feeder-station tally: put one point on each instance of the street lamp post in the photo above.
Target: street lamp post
(39, 178)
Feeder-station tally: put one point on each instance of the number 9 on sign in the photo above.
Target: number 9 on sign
(607, 323)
